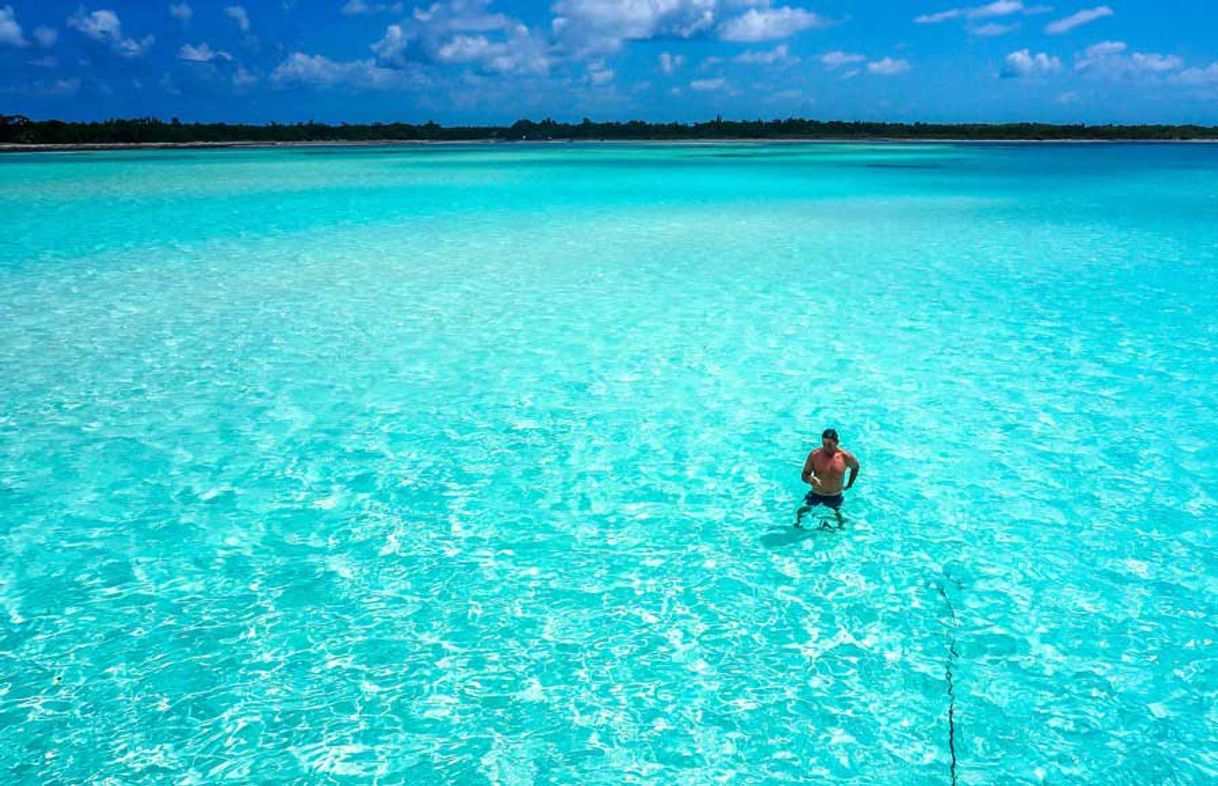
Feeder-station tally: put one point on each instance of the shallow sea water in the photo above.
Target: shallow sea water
(478, 465)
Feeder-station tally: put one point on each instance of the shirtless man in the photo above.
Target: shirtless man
(823, 471)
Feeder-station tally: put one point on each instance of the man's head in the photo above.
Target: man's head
(828, 439)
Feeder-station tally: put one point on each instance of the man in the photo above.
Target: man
(823, 471)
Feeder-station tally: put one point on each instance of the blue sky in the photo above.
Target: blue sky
(479, 61)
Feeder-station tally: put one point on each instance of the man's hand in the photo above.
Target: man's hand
(809, 473)
(815, 481)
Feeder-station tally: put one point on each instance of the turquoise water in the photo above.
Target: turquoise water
(478, 465)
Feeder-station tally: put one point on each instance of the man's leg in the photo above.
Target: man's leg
(810, 501)
(837, 511)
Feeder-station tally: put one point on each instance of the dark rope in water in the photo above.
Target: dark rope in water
(951, 683)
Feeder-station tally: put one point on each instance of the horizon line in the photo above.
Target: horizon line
(549, 120)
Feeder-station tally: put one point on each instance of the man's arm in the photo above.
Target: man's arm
(853, 463)
(809, 468)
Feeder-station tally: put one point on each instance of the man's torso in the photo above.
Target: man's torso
(830, 469)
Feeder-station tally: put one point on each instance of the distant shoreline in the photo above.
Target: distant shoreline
(18, 132)
(9, 147)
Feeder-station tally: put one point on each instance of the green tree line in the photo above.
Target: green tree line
(17, 129)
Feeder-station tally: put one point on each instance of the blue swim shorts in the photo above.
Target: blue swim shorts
(834, 501)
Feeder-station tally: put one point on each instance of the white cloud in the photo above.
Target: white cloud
(1101, 50)
(587, 27)
(599, 74)
(101, 25)
(391, 49)
(1108, 59)
(1025, 64)
(104, 26)
(464, 32)
(203, 53)
(940, 16)
(466, 16)
(837, 59)
(356, 7)
(238, 14)
(130, 48)
(1198, 77)
(516, 55)
(181, 11)
(1155, 63)
(46, 36)
(785, 96)
(997, 8)
(243, 80)
(767, 24)
(706, 85)
(888, 67)
(669, 63)
(779, 54)
(523, 56)
(300, 68)
(319, 71)
(590, 28)
(993, 29)
(465, 49)
(10, 31)
(1077, 20)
